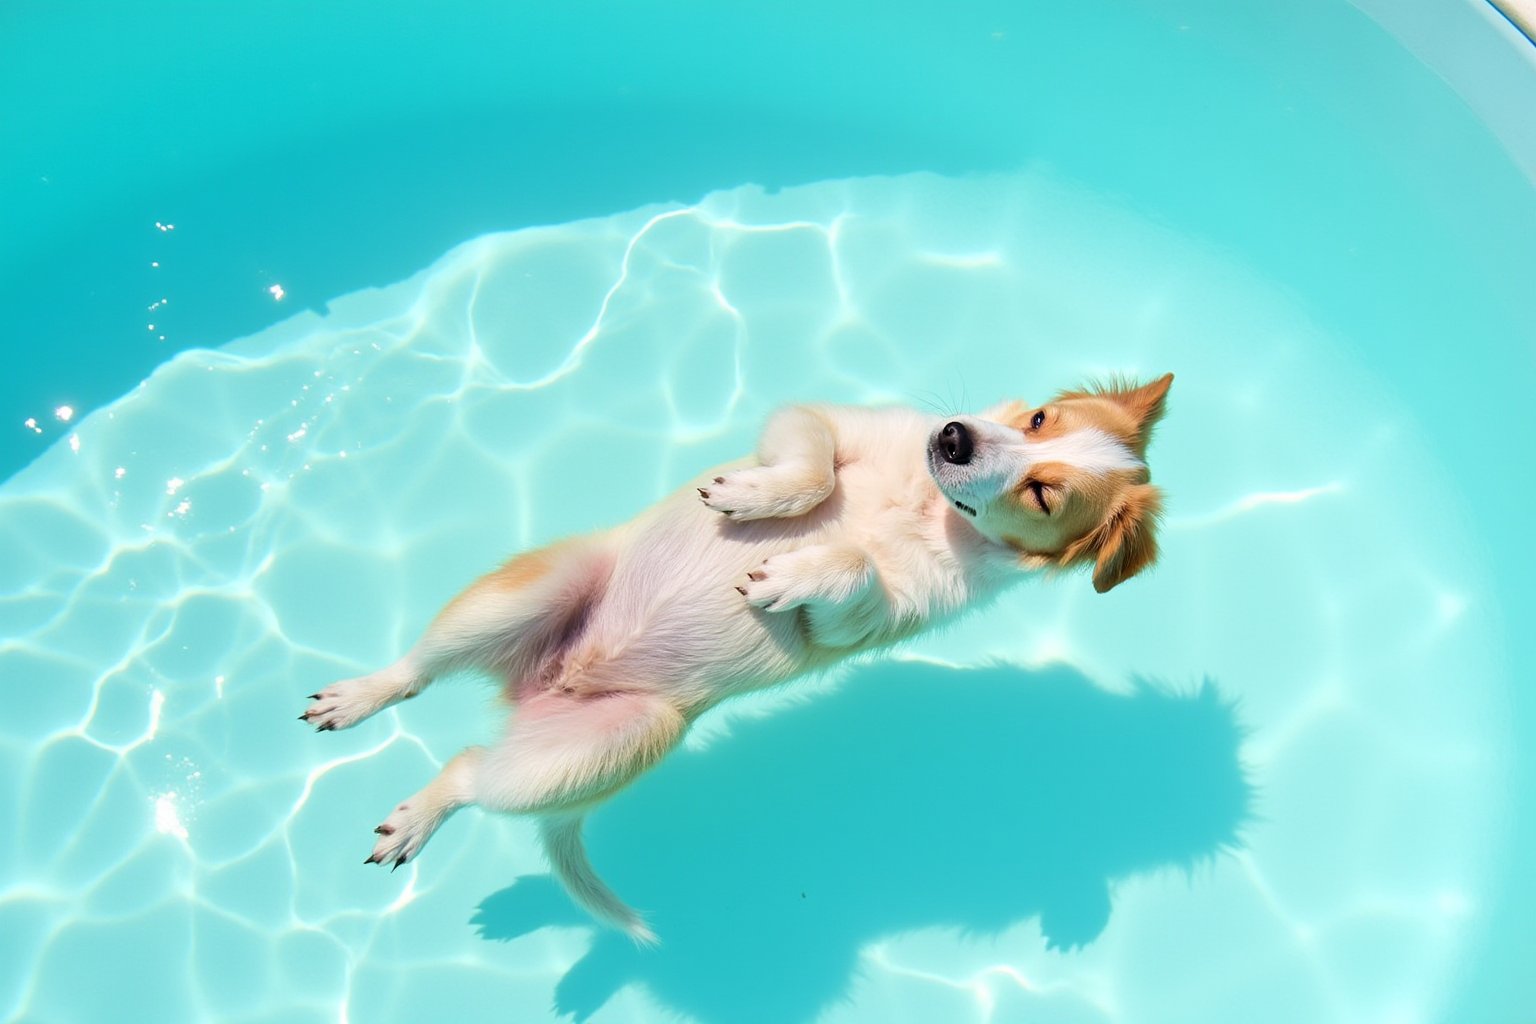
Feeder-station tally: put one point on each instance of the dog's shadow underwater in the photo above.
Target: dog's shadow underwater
(912, 796)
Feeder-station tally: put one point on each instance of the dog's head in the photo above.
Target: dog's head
(1063, 484)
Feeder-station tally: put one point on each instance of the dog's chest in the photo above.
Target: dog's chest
(894, 513)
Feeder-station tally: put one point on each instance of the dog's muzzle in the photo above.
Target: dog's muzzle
(955, 444)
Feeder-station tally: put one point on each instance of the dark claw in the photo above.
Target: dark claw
(756, 574)
(703, 494)
(726, 512)
(385, 830)
(742, 591)
(314, 696)
(326, 727)
(372, 859)
(719, 479)
(304, 717)
(398, 862)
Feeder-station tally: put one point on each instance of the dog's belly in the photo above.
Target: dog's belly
(672, 620)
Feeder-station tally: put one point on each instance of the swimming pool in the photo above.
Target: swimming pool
(435, 288)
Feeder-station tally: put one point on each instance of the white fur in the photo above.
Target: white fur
(838, 541)
(1088, 449)
(1003, 456)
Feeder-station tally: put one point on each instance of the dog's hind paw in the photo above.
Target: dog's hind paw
(344, 704)
(403, 834)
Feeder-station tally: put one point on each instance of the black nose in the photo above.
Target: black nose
(955, 444)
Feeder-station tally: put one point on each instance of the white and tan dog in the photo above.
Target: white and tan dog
(852, 529)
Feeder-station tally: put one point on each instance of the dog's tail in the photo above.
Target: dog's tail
(568, 857)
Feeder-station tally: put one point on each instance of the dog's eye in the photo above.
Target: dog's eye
(1037, 420)
(1038, 490)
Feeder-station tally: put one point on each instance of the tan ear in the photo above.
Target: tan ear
(1145, 404)
(1126, 543)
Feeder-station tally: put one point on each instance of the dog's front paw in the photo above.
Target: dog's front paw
(778, 585)
(825, 575)
(733, 496)
(404, 833)
(763, 492)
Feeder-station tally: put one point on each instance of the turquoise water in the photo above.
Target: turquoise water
(536, 269)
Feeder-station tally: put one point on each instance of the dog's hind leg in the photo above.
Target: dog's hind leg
(411, 824)
(568, 751)
(509, 621)
(561, 754)
(796, 471)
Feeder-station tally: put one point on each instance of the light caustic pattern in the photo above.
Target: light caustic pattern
(255, 521)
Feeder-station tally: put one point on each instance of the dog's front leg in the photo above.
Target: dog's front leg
(836, 585)
(796, 472)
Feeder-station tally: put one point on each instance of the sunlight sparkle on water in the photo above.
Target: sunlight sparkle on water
(167, 818)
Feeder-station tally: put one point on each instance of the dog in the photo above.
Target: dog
(851, 530)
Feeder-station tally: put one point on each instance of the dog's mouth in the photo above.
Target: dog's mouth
(943, 471)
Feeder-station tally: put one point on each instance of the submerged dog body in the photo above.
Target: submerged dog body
(851, 530)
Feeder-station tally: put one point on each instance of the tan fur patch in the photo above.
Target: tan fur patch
(1124, 543)
(514, 574)
(1107, 519)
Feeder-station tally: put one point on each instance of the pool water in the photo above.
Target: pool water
(446, 288)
